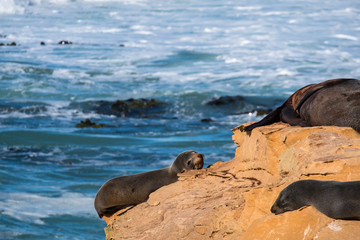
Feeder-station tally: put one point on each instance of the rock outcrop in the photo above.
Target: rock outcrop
(88, 123)
(136, 108)
(232, 200)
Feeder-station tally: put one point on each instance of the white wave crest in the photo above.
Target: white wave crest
(10, 7)
(344, 36)
(32, 207)
(248, 8)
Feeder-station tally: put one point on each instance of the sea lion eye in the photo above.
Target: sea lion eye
(188, 162)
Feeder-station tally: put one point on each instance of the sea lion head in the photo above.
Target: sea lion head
(291, 198)
(188, 160)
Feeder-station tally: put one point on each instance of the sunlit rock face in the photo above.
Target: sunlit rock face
(232, 200)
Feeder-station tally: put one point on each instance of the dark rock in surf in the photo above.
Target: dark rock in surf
(261, 112)
(135, 107)
(225, 100)
(237, 105)
(64, 42)
(88, 123)
(9, 44)
(207, 120)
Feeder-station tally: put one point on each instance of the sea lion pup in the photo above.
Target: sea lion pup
(334, 102)
(121, 192)
(339, 200)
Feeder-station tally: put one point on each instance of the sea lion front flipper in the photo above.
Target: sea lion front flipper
(107, 212)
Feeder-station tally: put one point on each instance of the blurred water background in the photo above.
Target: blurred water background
(157, 77)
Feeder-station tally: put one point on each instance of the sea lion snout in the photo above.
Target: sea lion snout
(278, 208)
(198, 161)
(274, 209)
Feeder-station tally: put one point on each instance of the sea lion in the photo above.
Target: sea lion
(339, 200)
(334, 102)
(120, 192)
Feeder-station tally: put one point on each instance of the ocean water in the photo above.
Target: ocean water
(183, 54)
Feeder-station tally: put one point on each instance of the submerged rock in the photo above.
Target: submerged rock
(236, 105)
(88, 123)
(9, 44)
(135, 107)
(206, 120)
(263, 111)
(225, 100)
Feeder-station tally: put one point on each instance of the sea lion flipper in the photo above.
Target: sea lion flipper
(284, 113)
(272, 117)
(107, 212)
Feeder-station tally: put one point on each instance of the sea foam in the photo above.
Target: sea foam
(10, 7)
(33, 207)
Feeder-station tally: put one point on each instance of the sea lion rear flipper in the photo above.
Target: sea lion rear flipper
(284, 113)
(272, 117)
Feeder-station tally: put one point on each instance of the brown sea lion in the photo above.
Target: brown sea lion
(339, 200)
(334, 102)
(120, 192)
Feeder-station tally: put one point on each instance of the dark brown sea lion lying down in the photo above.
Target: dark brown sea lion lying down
(334, 102)
(339, 200)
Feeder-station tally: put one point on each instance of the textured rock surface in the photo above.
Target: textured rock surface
(232, 200)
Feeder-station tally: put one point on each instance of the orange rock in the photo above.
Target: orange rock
(232, 200)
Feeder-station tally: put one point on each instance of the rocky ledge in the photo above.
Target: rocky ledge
(232, 200)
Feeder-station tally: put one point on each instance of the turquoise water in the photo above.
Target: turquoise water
(183, 54)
